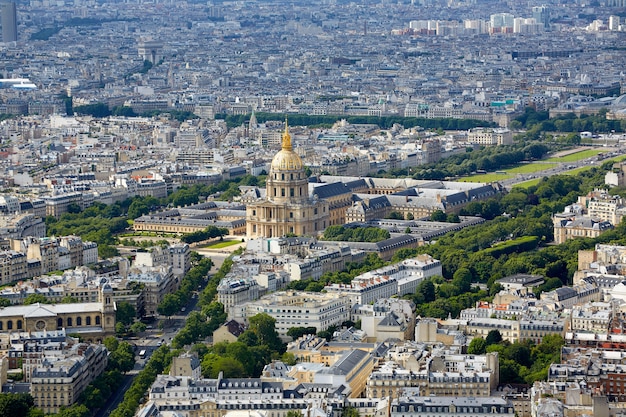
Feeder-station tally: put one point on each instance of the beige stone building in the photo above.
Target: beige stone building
(93, 321)
(287, 208)
(572, 227)
(58, 382)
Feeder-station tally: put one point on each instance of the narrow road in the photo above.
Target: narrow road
(118, 396)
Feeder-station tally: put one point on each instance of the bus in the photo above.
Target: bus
(142, 354)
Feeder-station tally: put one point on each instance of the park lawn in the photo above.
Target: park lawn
(491, 177)
(577, 156)
(527, 184)
(529, 168)
(509, 172)
(221, 244)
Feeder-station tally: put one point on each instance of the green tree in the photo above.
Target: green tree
(125, 313)
(350, 412)
(297, 332)
(264, 326)
(15, 404)
(395, 215)
(438, 216)
(68, 299)
(493, 337)
(478, 346)
(462, 280)
(453, 218)
(169, 305)
(36, 298)
(138, 327)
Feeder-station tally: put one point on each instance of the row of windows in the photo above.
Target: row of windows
(19, 325)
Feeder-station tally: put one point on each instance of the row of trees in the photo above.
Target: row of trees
(355, 234)
(191, 282)
(210, 232)
(203, 323)
(159, 361)
(384, 122)
(102, 109)
(537, 123)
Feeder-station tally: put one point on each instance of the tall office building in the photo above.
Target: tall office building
(542, 15)
(9, 22)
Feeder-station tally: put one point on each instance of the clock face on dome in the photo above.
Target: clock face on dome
(40, 325)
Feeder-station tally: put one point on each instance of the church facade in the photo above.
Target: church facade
(288, 209)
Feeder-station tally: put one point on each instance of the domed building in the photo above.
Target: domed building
(287, 208)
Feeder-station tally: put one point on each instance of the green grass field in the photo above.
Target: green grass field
(577, 156)
(510, 172)
(222, 244)
(527, 184)
(485, 178)
(530, 168)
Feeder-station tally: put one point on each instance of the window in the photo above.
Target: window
(79, 321)
(282, 192)
(292, 192)
(19, 324)
(59, 323)
(88, 321)
(282, 177)
(291, 214)
(9, 324)
(69, 322)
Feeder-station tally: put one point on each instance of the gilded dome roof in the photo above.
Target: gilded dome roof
(286, 159)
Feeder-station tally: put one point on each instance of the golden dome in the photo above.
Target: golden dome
(286, 159)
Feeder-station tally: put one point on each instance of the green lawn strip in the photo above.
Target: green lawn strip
(222, 244)
(530, 183)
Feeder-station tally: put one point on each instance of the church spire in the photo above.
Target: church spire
(287, 138)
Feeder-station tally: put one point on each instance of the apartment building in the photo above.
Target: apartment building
(414, 406)
(158, 281)
(297, 309)
(235, 291)
(13, 266)
(58, 382)
(567, 226)
(490, 137)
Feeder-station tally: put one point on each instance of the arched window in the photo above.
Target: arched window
(59, 323)
(19, 324)
(79, 321)
(1, 325)
(88, 321)
(69, 322)
(9, 324)
(97, 320)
